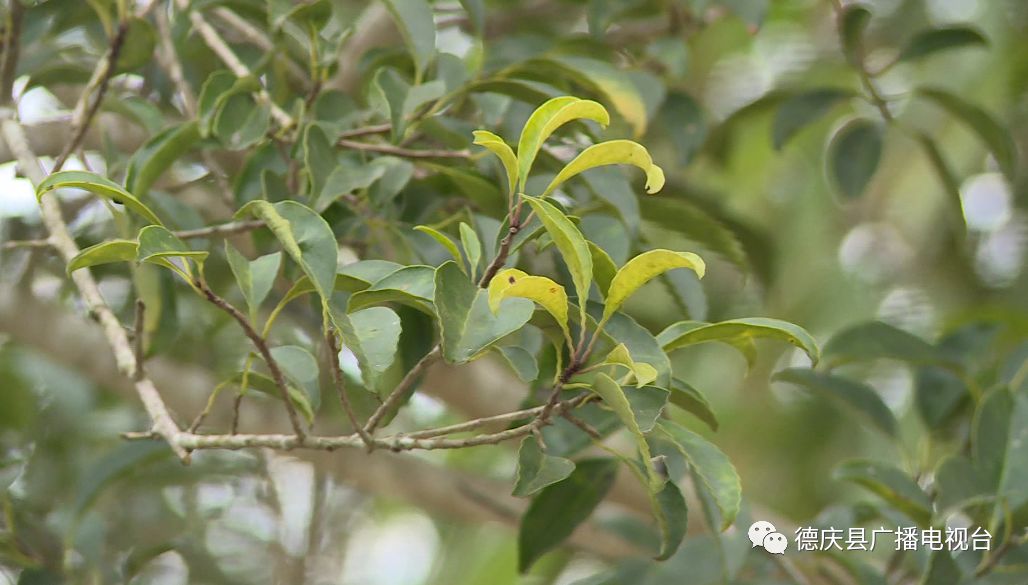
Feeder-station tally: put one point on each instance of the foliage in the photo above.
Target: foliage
(383, 228)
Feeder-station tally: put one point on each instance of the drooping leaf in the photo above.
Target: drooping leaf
(712, 466)
(929, 42)
(253, 277)
(414, 19)
(672, 518)
(853, 21)
(876, 340)
(693, 401)
(472, 248)
(301, 369)
(443, 239)
(604, 268)
(305, 236)
(744, 344)
(643, 268)
(503, 151)
(157, 244)
(571, 244)
(157, 155)
(856, 395)
(467, 326)
(612, 152)
(559, 508)
(644, 373)
(103, 253)
(413, 286)
(521, 361)
(617, 88)
(995, 136)
(537, 470)
(853, 156)
(513, 283)
(737, 331)
(545, 120)
(98, 186)
(373, 335)
(614, 396)
(802, 109)
(891, 484)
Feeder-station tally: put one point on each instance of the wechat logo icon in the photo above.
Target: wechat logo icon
(762, 533)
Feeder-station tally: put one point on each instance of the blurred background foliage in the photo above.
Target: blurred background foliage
(870, 189)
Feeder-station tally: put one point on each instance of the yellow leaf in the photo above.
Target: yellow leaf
(551, 296)
(641, 269)
(545, 120)
(612, 152)
(497, 146)
(644, 373)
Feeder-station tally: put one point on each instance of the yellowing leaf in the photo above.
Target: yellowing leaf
(503, 151)
(550, 295)
(545, 120)
(644, 373)
(644, 267)
(604, 268)
(572, 245)
(612, 152)
(612, 394)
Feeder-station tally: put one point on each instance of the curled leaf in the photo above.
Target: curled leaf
(643, 268)
(545, 120)
(503, 151)
(96, 185)
(550, 295)
(572, 245)
(612, 152)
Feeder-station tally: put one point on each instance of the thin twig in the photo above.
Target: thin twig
(125, 358)
(366, 131)
(581, 424)
(11, 47)
(15, 244)
(344, 398)
(402, 390)
(229, 58)
(255, 36)
(85, 110)
(505, 245)
(262, 348)
(400, 151)
(138, 334)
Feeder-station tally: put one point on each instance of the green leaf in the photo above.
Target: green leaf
(513, 283)
(373, 335)
(242, 120)
(571, 244)
(300, 368)
(157, 156)
(860, 397)
(928, 42)
(472, 248)
(265, 385)
(545, 120)
(503, 151)
(520, 360)
(853, 156)
(616, 87)
(443, 239)
(411, 285)
(137, 48)
(643, 268)
(743, 344)
(643, 346)
(254, 278)
(400, 101)
(891, 484)
(713, 467)
(604, 268)
(467, 325)
(853, 22)
(800, 110)
(416, 24)
(614, 396)
(991, 132)
(559, 508)
(644, 373)
(104, 253)
(672, 517)
(737, 331)
(350, 278)
(157, 244)
(648, 404)
(693, 401)
(304, 235)
(612, 152)
(217, 85)
(1000, 448)
(96, 185)
(876, 340)
(537, 470)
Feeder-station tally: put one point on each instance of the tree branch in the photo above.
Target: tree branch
(344, 398)
(402, 390)
(400, 151)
